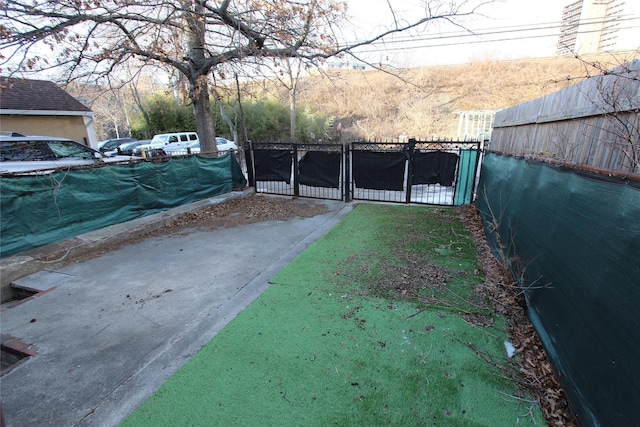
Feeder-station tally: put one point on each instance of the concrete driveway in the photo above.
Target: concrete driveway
(107, 332)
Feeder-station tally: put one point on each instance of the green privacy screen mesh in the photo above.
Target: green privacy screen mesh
(574, 239)
(467, 168)
(39, 210)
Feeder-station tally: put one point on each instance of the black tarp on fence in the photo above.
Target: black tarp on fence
(316, 172)
(273, 165)
(439, 173)
(320, 169)
(436, 167)
(379, 170)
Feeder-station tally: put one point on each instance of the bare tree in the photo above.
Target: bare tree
(233, 124)
(288, 73)
(614, 94)
(110, 107)
(195, 37)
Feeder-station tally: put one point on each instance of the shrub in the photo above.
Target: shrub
(266, 120)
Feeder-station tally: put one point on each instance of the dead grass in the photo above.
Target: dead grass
(425, 102)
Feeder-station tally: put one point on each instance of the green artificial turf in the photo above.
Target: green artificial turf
(336, 341)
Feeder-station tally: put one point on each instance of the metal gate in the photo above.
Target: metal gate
(300, 170)
(424, 172)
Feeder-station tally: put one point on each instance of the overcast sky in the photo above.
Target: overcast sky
(505, 29)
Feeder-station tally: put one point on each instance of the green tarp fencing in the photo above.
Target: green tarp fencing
(574, 239)
(467, 168)
(44, 209)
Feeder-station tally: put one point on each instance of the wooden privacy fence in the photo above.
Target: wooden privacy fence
(594, 124)
(438, 173)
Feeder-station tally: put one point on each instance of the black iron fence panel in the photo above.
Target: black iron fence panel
(441, 171)
(379, 171)
(273, 165)
(436, 173)
(301, 170)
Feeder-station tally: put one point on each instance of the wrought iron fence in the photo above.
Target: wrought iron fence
(426, 172)
(317, 172)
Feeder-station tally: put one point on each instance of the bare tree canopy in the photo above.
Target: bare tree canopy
(93, 39)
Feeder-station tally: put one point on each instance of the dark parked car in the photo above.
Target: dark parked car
(127, 149)
(113, 144)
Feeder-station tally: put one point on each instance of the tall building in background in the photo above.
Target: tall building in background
(592, 26)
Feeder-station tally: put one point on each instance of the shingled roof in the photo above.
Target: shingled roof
(36, 95)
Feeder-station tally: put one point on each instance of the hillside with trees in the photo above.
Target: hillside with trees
(346, 105)
(424, 103)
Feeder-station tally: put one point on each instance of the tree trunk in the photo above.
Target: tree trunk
(246, 144)
(197, 76)
(233, 127)
(145, 114)
(292, 106)
(245, 134)
(199, 94)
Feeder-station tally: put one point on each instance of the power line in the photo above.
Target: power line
(490, 32)
(517, 28)
(377, 50)
(472, 33)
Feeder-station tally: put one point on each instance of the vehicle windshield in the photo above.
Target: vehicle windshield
(160, 138)
(112, 143)
(70, 150)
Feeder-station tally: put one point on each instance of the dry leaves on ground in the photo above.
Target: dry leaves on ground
(508, 300)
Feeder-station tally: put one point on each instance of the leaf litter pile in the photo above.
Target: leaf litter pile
(418, 281)
(245, 210)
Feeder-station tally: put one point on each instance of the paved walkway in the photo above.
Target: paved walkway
(109, 331)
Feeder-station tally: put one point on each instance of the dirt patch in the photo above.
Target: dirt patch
(244, 210)
(418, 281)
